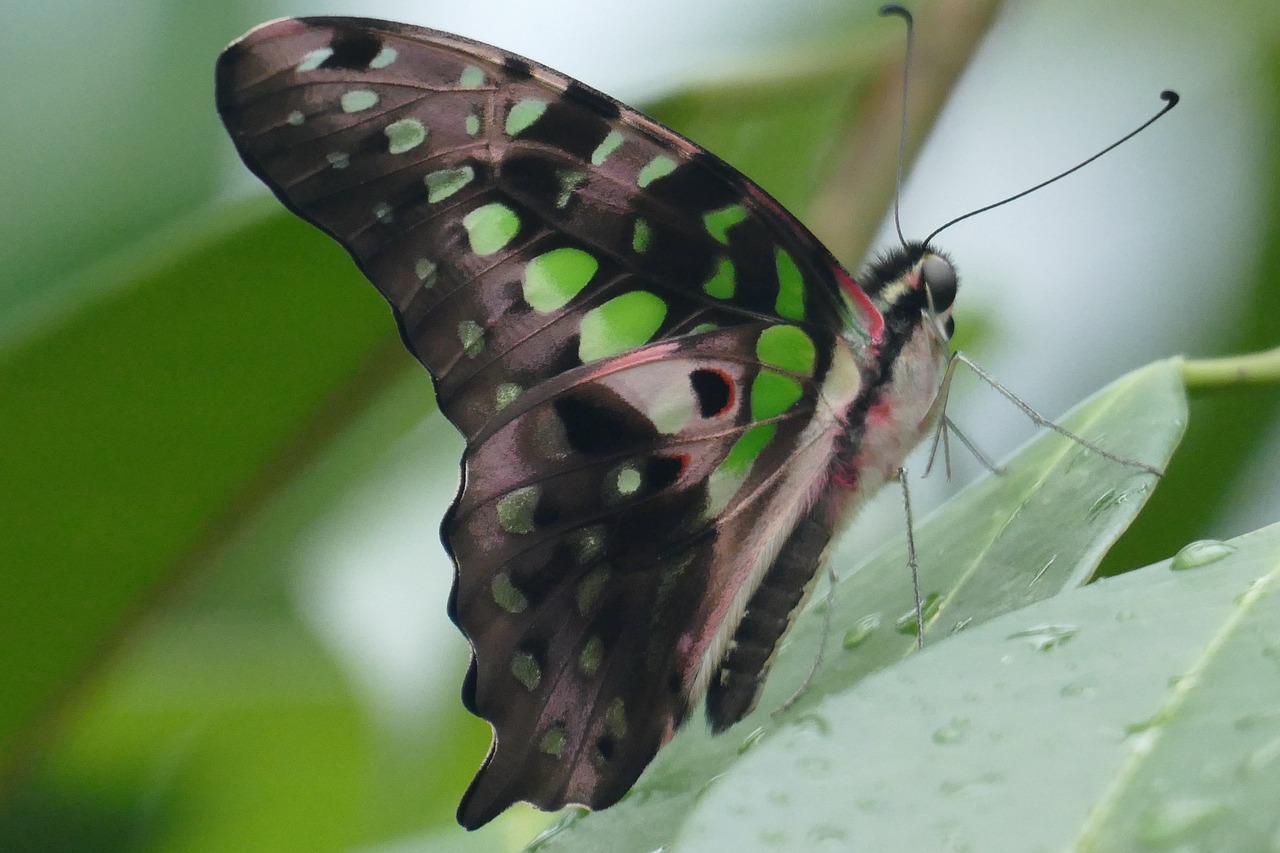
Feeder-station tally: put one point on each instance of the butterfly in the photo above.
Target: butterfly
(671, 393)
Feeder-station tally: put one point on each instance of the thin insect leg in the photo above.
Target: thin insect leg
(911, 558)
(1040, 420)
(832, 580)
(940, 407)
(973, 448)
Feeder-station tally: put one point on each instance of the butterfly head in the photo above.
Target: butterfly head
(914, 284)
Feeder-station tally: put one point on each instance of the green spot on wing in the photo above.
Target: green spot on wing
(315, 59)
(472, 124)
(358, 99)
(606, 147)
(426, 271)
(505, 594)
(724, 283)
(523, 114)
(624, 322)
(526, 670)
(658, 167)
(554, 278)
(590, 588)
(516, 508)
(590, 657)
(747, 449)
(405, 135)
(553, 741)
(505, 394)
(471, 335)
(471, 77)
(790, 302)
(385, 57)
(490, 227)
(718, 222)
(772, 394)
(446, 182)
(788, 348)
(640, 236)
(615, 719)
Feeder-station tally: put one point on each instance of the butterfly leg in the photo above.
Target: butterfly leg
(1036, 418)
(912, 563)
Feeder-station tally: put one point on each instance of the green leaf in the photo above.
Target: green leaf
(1138, 713)
(1000, 544)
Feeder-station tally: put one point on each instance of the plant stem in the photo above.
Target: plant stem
(1218, 374)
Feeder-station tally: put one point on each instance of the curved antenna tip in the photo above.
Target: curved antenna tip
(895, 9)
(1170, 96)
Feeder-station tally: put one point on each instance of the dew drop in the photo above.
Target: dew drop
(1045, 637)
(861, 631)
(1201, 553)
(751, 740)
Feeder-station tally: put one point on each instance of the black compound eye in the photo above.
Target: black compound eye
(940, 278)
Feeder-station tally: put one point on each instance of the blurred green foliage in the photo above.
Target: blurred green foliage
(189, 386)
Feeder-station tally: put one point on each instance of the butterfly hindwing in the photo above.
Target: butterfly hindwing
(606, 527)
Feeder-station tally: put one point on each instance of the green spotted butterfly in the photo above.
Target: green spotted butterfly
(672, 394)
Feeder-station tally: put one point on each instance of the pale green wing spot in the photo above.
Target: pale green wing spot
(624, 322)
(315, 59)
(338, 159)
(446, 182)
(658, 167)
(472, 124)
(385, 57)
(747, 448)
(640, 236)
(471, 77)
(472, 337)
(553, 741)
(590, 588)
(703, 327)
(526, 670)
(615, 719)
(490, 227)
(627, 480)
(358, 99)
(607, 146)
(516, 508)
(718, 222)
(523, 114)
(426, 271)
(670, 412)
(724, 283)
(505, 394)
(405, 135)
(772, 394)
(571, 180)
(554, 278)
(787, 347)
(382, 211)
(296, 118)
(790, 302)
(505, 594)
(587, 543)
(591, 656)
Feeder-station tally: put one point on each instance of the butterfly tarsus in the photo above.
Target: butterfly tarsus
(912, 562)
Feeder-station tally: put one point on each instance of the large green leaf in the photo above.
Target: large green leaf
(1006, 541)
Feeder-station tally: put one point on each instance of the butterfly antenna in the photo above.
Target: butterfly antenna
(901, 12)
(1171, 100)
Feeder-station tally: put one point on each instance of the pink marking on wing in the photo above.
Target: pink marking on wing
(872, 319)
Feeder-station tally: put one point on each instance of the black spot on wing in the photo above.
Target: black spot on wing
(517, 68)
(353, 51)
(713, 389)
(598, 421)
(567, 126)
(597, 102)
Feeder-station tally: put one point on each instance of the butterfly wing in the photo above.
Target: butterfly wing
(577, 279)
(608, 528)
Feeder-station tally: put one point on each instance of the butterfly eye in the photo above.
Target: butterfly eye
(940, 278)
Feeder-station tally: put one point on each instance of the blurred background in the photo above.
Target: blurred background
(221, 586)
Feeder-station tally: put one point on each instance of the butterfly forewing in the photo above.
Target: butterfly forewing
(652, 363)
